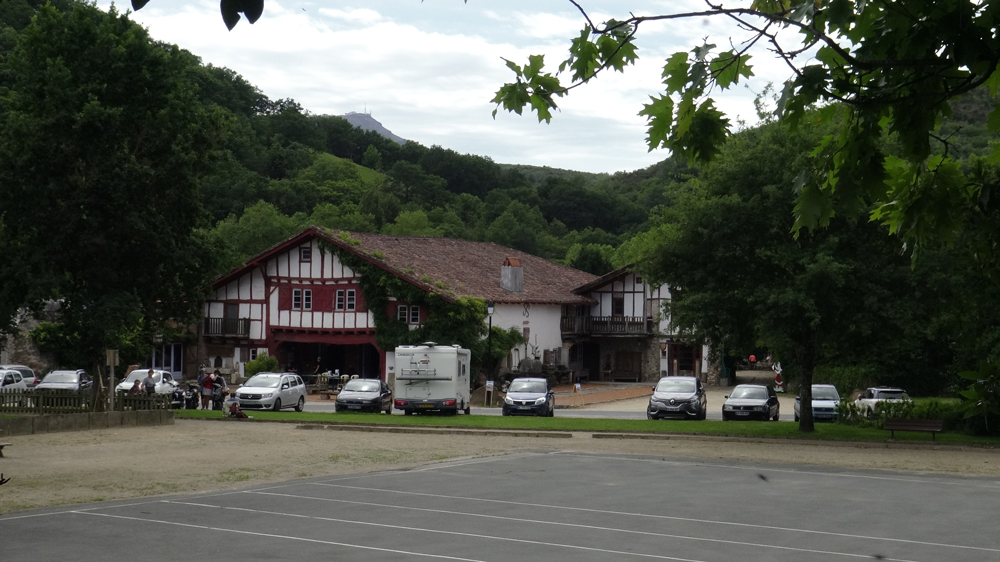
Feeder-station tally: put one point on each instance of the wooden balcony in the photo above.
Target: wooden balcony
(237, 327)
(606, 325)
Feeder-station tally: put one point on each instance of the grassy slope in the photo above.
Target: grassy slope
(778, 430)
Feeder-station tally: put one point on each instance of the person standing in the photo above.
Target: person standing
(753, 362)
(149, 384)
(206, 391)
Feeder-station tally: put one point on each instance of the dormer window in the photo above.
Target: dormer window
(305, 254)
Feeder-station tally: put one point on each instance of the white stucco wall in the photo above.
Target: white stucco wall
(541, 319)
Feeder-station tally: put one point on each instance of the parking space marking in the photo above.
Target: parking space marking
(991, 486)
(582, 526)
(435, 531)
(668, 517)
(275, 536)
(77, 510)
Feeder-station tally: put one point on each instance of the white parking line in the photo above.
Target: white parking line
(436, 531)
(668, 517)
(581, 526)
(992, 486)
(287, 537)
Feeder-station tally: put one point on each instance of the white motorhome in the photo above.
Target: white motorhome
(431, 378)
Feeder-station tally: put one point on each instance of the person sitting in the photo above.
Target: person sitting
(233, 407)
(136, 389)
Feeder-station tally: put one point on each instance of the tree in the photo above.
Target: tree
(372, 158)
(101, 143)
(875, 68)
(843, 294)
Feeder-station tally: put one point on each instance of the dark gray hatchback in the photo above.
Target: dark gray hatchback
(678, 398)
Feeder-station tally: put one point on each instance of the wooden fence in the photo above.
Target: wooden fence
(45, 401)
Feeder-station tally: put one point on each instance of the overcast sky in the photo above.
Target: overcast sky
(427, 70)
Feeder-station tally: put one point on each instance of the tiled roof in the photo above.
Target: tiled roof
(473, 268)
(465, 268)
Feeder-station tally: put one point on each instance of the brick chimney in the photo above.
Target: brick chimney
(512, 276)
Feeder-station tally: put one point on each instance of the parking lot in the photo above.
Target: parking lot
(543, 505)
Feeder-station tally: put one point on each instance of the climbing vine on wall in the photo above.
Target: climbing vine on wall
(461, 322)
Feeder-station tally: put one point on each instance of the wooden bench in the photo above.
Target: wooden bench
(927, 426)
(2, 445)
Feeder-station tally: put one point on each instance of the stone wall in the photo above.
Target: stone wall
(53, 423)
(18, 349)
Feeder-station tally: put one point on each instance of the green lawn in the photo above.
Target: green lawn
(767, 429)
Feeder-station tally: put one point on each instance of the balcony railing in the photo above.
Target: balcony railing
(602, 325)
(227, 327)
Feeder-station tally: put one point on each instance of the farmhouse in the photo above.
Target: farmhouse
(318, 302)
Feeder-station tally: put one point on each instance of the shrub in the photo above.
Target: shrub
(264, 363)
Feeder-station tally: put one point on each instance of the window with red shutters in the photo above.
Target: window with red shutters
(284, 298)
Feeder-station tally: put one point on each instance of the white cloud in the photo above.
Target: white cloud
(428, 71)
(359, 16)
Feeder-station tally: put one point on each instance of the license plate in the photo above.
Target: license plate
(242, 403)
(427, 405)
(353, 407)
(673, 408)
(524, 407)
(742, 413)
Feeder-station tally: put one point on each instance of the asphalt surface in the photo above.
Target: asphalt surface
(554, 506)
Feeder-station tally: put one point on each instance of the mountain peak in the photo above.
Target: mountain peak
(366, 122)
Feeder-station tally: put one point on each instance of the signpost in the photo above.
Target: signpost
(112, 362)
(489, 393)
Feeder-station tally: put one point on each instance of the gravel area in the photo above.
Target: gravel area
(198, 456)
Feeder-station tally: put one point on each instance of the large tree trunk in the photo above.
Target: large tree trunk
(807, 362)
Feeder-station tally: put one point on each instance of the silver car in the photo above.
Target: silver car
(824, 403)
(13, 379)
(272, 391)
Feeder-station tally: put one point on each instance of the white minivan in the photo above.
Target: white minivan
(272, 391)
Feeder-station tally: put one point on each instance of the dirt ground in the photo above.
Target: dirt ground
(197, 456)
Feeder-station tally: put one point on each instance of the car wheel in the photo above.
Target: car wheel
(776, 417)
(468, 410)
(407, 412)
(796, 417)
(277, 405)
(301, 405)
(388, 410)
(649, 416)
(504, 413)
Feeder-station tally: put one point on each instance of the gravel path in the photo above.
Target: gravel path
(196, 455)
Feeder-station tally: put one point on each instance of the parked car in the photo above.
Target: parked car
(10, 379)
(530, 396)
(165, 383)
(76, 380)
(27, 374)
(872, 396)
(360, 395)
(824, 403)
(678, 397)
(751, 401)
(272, 391)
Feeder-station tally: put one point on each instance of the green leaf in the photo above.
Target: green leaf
(515, 67)
(542, 106)
(659, 114)
(534, 66)
(993, 119)
(675, 72)
(728, 67)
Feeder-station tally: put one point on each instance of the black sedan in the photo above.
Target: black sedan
(364, 395)
(751, 402)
